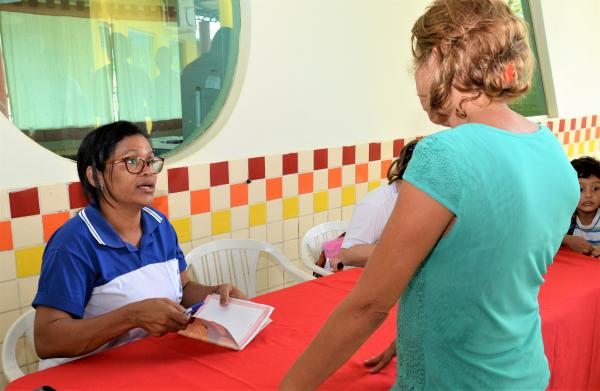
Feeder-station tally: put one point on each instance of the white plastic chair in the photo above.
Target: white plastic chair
(23, 325)
(236, 261)
(310, 248)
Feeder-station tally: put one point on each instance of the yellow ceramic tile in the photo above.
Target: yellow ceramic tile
(258, 214)
(199, 176)
(320, 180)
(348, 175)
(275, 232)
(290, 208)
(570, 150)
(29, 261)
(320, 201)
(27, 231)
(238, 171)
(257, 191)
(373, 185)
(183, 228)
(305, 204)
(179, 205)
(335, 198)
(348, 195)
(290, 229)
(592, 146)
(290, 185)
(239, 217)
(27, 289)
(221, 222)
(347, 212)
(581, 148)
(219, 197)
(259, 232)
(274, 210)
(8, 267)
(273, 166)
(201, 226)
(54, 198)
(9, 298)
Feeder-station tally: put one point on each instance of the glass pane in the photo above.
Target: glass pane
(534, 102)
(70, 66)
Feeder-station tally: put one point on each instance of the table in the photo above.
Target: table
(569, 306)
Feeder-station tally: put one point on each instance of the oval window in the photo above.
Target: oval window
(70, 66)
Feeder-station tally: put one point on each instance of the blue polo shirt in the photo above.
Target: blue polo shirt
(88, 270)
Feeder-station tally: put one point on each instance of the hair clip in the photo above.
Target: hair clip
(509, 73)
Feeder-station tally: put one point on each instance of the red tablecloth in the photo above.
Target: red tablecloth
(569, 304)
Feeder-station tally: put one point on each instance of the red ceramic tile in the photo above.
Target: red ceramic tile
(274, 189)
(305, 183)
(561, 125)
(583, 122)
(162, 204)
(374, 151)
(256, 168)
(290, 163)
(52, 222)
(76, 197)
(320, 159)
(334, 178)
(348, 155)
(6, 242)
(361, 173)
(550, 125)
(178, 179)
(200, 201)
(238, 194)
(385, 165)
(594, 117)
(398, 145)
(573, 123)
(219, 173)
(24, 203)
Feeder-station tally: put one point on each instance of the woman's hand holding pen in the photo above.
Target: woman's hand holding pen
(157, 316)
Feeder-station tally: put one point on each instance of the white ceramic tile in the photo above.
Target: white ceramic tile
(361, 190)
(348, 175)
(273, 166)
(290, 186)
(290, 249)
(347, 212)
(374, 171)
(53, 198)
(8, 269)
(239, 217)
(27, 289)
(306, 161)
(222, 236)
(179, 204)
(335, 198)
(27, 231)
(161, 187)
(199, 176)
(304, 224)
(362, 153)
(275, 277)
(334, 157)
(219, 197)
(257, 191)
(290, 229)
(4, 208)
(274, 210)
(320, 180)
(320, 218)
(186, 247)
(238, 171)
(259, 232)
(6, 320)
(305, 204)
(275, 232)
(387, 150)
(241, 234)
(9, 296)
(201, 226)
(334, 214)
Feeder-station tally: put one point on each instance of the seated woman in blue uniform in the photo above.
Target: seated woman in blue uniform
(114, 272)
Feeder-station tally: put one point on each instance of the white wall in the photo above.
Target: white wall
(330, 73)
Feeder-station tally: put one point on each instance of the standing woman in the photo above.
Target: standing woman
(114, 272)
(481, 212)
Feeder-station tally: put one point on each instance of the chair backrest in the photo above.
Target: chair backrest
(236, 261)
(310, 247)
(23, 325)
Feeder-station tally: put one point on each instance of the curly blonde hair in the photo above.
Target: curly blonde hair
(471, 43)
(396, 170)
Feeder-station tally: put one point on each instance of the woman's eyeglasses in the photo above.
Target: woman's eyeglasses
(136, 164)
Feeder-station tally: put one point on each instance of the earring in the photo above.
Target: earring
(101, 187)
(461, 113)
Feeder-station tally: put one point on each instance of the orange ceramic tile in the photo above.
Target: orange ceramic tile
(305, 183)
(577, 135)
(274, 188)
(6, 242)
(200, 201)
(588, 133)
(334, 178)
(385, 165)
(361, 173)
(238, 194)
(162, 204)
(52, 222)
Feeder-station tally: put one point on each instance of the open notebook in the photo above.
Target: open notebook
(232, 326)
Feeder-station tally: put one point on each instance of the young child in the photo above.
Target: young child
(584, 234)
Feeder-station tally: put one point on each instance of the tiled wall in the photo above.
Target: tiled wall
(271, 198)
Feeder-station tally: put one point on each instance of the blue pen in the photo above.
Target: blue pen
(194, 308)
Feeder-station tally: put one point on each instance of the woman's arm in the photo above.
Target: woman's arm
(194, 292)
(357, 255)
(57, 334)
(416, 224)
